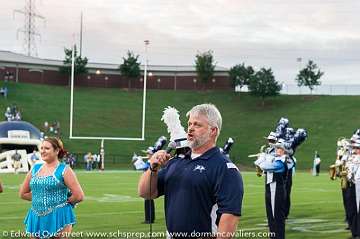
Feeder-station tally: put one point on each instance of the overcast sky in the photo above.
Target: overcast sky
(261, 33)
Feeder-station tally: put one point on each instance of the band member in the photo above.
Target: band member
(265, 149)
(149, 205)
(275, 168)
(317, 162)
(139, 164)
(340, 169)
(272, 139)
(354, 189)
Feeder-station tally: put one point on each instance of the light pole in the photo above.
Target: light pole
(299, 59)
(147, 42)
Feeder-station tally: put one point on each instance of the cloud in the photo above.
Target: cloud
(264, 33)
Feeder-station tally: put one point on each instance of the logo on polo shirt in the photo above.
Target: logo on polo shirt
(199, 167)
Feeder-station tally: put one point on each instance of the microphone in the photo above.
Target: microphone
(171, 146)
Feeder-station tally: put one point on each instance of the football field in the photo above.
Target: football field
(112, 208)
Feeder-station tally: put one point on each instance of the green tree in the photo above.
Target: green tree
(130, 68)
(79, 63)
(240, 75)
(309, 76)
(263, 84)
(205, 66)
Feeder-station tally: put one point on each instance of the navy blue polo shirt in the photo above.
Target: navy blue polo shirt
(193, 186)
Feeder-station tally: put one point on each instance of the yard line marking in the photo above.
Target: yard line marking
(85, 215)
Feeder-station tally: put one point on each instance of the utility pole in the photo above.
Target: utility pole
(29, 29)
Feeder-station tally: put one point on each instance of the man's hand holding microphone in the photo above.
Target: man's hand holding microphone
(159, 159)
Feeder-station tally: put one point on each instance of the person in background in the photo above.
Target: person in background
(16, 161)
(72, 160)
(149, 205)
(88, 160)
(317, 162)
(34, 157)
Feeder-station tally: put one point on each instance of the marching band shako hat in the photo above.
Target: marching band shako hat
(355, 143)
(354, 137)
(281, 143)
(289, 133)
(284, 121)
(227, 146)
(159, 144)
(272, 136)
(290, 130)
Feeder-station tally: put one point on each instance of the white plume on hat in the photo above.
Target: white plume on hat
(171, 118)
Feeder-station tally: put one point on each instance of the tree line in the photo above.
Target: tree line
(260, 83)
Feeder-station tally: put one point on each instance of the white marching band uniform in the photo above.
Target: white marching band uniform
(349, 158)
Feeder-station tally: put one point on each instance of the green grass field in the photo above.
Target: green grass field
(111, 204)
(116, 112)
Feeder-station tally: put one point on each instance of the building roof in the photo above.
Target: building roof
(12, 57)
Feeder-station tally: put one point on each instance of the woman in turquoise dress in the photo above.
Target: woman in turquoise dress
(53, 189)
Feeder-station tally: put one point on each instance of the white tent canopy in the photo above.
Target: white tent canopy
(17, 137)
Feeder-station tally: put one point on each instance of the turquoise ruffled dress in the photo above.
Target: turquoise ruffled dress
(50, 212)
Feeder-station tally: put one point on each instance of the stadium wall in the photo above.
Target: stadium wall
(25, 69)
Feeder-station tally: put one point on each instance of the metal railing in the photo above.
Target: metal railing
(321, 90)
(326, 89)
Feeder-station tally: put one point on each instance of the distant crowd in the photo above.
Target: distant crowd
(12, 113)
(92, 161)
(52, 129)
(4, 89)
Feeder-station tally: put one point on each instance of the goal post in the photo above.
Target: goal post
(102, 137)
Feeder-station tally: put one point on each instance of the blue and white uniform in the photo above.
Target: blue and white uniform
(195, 189)
(353, 193)
(275, 193)
(290, 165)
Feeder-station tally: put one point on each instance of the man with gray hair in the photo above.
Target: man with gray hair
(203, 191)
